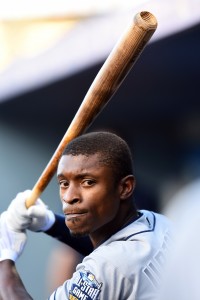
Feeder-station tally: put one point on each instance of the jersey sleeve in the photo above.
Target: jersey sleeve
(60, 231)
(95, 279)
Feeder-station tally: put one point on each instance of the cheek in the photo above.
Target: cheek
(105, 206)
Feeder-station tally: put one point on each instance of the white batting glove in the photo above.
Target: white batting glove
(36, 218)
(11, 242)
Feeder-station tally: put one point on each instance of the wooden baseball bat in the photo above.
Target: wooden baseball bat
(112, 73)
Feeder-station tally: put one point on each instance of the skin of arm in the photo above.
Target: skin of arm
(11, 286)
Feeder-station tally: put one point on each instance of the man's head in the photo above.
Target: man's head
(96, 185)
(113, 151)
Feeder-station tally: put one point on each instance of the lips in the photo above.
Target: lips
(70, 216)
(74, 214)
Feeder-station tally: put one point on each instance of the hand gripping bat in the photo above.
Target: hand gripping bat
(106, 83)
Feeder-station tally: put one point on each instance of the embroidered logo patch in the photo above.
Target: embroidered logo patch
(85, 287)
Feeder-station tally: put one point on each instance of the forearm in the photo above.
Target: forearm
(11, 285)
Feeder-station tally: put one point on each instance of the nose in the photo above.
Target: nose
(70, 195)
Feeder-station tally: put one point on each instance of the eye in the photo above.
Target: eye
(88, 182)
(63, 184)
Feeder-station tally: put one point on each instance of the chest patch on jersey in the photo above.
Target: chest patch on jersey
(85, 287)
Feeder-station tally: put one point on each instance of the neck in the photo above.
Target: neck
(122, 219)
(131, 218)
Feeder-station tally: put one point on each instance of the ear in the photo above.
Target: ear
(127, 186)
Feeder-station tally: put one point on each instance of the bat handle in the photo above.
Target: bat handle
(109, 78)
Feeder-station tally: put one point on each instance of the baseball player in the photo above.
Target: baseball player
(124, 248)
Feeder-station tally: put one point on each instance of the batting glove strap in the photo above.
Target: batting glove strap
(8, 254)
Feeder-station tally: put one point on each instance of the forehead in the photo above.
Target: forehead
(78, 163)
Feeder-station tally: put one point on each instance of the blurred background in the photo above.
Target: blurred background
(50, 54)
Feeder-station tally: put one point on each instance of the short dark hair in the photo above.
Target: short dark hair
(114, 151)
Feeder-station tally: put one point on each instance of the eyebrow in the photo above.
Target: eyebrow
(59, 175)
(78, 176)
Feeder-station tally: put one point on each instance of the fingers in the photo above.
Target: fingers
(36, 218)
(37, 211)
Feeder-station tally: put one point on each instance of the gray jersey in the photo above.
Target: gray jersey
(127, 266)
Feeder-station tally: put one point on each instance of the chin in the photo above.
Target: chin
(78, 234)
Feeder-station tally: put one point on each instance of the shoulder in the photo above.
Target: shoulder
(149, 228)
(159, 225)
(143, 243)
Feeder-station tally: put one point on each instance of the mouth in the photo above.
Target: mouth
(71, 216)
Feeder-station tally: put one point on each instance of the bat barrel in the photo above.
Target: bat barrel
(109, 78)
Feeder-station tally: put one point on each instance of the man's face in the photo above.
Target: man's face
(89, 196)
